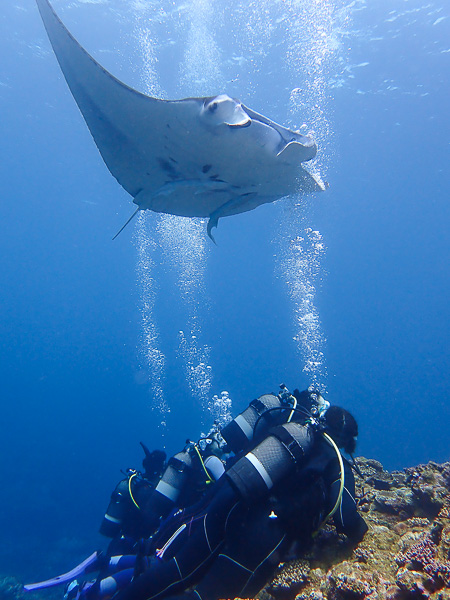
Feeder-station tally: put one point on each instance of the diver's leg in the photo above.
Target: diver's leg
(121, 562)
(116, 575)
(254, 546)
(106, 587)
(202, 538)
(228, 578)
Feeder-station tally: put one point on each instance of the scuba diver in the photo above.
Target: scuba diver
(286, 479)
(123, 520)
(141, 500)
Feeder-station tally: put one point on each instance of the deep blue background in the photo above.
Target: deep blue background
(75, 404)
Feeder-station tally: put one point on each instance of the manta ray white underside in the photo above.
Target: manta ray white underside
(196, 157)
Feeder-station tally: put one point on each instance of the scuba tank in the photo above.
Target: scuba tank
(264, 412)
(115, 513)
(214, 467)
(185, 479)
(123, 513)
(270, 461)
(168, 489)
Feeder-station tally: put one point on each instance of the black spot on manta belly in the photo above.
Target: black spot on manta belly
(167, 167)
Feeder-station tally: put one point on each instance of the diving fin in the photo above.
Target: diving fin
(80, 569)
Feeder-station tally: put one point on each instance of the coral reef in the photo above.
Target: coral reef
(405, 555)
(292, 577)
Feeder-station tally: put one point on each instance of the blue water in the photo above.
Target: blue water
(348, 290)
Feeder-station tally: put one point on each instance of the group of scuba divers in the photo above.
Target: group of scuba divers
(216, 519)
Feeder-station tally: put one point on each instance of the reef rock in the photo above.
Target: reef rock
(405, 555)
(10, 589)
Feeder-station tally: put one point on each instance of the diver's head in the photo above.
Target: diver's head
(154, 463)
(342, 427)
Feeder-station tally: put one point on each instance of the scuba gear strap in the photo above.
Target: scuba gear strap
(271, 460)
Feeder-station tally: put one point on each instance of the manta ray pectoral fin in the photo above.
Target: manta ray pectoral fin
(132, 217)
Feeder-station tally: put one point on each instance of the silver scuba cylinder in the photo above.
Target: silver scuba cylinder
(214, 466)
(266, 410)
(113, 519)
(258, 471)
(175, 475)
(166, 493)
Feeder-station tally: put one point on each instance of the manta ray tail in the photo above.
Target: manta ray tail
(132, 217)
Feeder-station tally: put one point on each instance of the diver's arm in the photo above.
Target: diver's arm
(346, 519)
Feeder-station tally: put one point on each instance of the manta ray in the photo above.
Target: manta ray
(196, 157)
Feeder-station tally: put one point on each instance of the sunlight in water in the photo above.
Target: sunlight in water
(152, 357)
(300, 267)
(308, 35)
(313, 51)
(185, 249)
(183, 240)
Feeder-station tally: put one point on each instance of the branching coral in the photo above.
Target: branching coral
(423, 556)
(290, 579)
(344, 587)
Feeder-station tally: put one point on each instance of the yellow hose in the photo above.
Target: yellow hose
(342, 478)
(131, 493)
(208, 480)
(293, 408)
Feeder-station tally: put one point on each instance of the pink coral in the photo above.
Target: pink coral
(422, 555)
(347, 587)
(439, 571)
(419, 555)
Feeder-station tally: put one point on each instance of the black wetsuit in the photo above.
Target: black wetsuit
(231, 546)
